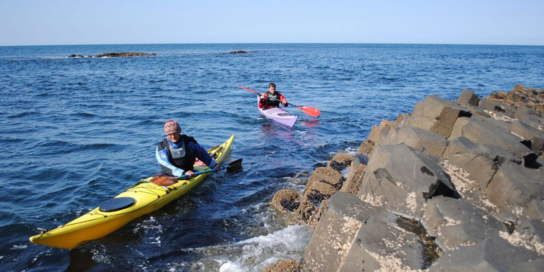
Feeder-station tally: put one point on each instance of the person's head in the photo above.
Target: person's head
(272, 87)
(172, 130)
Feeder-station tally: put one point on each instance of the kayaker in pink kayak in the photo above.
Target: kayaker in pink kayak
(178, 152)
(272, 98)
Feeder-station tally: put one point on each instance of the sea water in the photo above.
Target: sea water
(75, 132)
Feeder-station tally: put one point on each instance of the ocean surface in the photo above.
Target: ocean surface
(75, 132)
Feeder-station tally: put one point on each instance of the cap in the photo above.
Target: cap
(171, 126)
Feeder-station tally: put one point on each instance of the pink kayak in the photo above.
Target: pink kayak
(279, 115)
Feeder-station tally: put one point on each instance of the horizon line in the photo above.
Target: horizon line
(218, 43)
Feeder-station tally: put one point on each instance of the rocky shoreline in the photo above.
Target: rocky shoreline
(453, 186)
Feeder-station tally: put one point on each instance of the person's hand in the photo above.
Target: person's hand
(284, 104)
(189, 174)
(217, 168)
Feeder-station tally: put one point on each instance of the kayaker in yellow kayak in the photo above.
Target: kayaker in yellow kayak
(272, 98)
(177, 153)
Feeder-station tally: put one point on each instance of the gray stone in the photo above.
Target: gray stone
(352, 184)
(530, 233)
(459, 145)
(468, 98)
(535, 209)
(513, 187)
(437, 115)
(418, 139)
(379, 246)
(457, 130)
(522, 110)
(530, 117)
(533, 137)
(491, 254)
(481, 132)
(529, 266)
(400, 179)
(334, 233)
(479, 168)
(497, 107)
(497, 154)
(336, 230)
(382, 128)
(455, 222)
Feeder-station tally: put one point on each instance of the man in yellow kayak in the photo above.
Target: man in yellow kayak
(272, 98)
(177, 153)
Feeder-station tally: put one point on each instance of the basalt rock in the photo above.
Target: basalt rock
(467, 175)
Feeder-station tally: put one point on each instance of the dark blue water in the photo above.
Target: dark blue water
(76, 132)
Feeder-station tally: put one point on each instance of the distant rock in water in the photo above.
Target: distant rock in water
(115, 55)
(239, 52)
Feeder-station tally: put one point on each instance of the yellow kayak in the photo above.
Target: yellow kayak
(142, 198)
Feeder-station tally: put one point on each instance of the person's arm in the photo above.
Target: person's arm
(165, 164)
(261, 101)
(204, 156)
(283, 100)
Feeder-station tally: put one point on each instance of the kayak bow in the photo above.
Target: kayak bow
(142, 198)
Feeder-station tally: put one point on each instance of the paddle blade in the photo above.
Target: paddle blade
(248, 89)
(310, 111)
(234, 166)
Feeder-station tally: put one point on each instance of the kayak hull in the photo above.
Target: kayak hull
(147, 196)
(279, 115)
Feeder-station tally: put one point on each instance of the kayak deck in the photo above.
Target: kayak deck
(279, 115)
(147, 197)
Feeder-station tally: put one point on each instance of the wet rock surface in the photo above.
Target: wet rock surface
(455, 185)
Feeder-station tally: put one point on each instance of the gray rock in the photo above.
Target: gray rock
(380, 246)
(401, 179)
(458, 145)
(530, 234)
(455, 222)
(336, 231)
(535, 209)
(482, 132)
(529, 266)
(457, 130)
(491, 254)
(418, 139)
(532, 136)
(513, 187)
(382, 128)
(353, 181)
(437, 115)
(479, 167)
(468, 98)
(497, 107)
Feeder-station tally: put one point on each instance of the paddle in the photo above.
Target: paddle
(231, 167)
(167, 180)
(311, 111)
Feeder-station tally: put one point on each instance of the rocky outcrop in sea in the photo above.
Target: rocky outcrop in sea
(115, 55)
(453, 186)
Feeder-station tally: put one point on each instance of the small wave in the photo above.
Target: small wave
(255, 254)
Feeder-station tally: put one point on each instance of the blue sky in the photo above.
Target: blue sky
(56, 22)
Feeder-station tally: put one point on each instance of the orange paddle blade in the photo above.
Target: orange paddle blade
(310, 111)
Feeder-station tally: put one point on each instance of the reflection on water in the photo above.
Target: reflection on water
(277, 131)
(310, 122)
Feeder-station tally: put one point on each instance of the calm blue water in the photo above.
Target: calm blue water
(76, 132)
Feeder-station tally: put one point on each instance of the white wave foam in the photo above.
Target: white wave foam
(257, 253)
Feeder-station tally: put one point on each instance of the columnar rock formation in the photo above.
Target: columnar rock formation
(456, 186)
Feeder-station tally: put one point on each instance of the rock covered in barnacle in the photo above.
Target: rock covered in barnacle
(468, 174)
